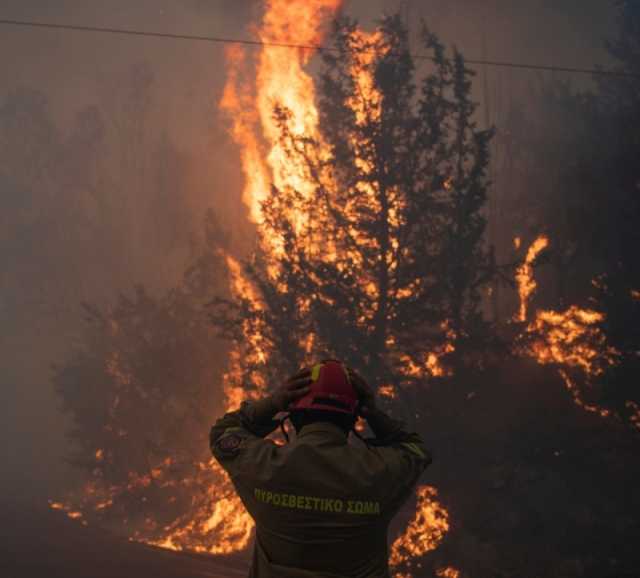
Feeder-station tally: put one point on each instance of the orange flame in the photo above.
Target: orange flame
(388, 391)
(571, 339)
(217, 522)
(577, 398)
(223, 520)
(424, 532)
(524, 275)
(280, 81)
(448, 572)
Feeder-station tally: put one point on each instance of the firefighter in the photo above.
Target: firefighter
(322, 505)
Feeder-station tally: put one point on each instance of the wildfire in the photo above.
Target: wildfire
(448, 572)
(424, 533)
(71, 513)
(220, 526)
(524, 275)
(577, 398)
(570, 340)
(431, 362)
(216, 521)
(388, 391)
(280, 80)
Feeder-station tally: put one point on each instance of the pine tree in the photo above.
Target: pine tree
(377, 258)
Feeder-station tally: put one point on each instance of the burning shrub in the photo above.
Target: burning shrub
(141, 391)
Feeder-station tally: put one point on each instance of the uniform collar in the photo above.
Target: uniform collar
(323, 429)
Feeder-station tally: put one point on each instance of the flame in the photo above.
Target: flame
(448, 572)
(388, 391)
(424, 533)
(517, 242)
(281, 80)
(634, 409)
(222, 526)
(577, 398)
(524, 275)
(431, 362)
(71, 513)
(572, 340)
(216, 521)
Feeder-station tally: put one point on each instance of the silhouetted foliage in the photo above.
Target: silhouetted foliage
(143, 385)
(379, 257)
(608, 173)
(574, 164)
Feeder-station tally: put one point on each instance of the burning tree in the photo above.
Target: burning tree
(593, 226)
(369, 248)
(141, 392)
(370, 238)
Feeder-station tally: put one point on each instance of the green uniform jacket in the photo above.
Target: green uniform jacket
(322, 506)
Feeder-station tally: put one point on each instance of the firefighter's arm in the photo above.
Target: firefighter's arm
(404, 451)
(391, 433)
(237, 431)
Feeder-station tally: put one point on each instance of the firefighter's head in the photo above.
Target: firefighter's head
(331, 398)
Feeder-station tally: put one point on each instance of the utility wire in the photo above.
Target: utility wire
(248, 42)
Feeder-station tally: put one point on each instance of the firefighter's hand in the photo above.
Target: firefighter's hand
(295, 387)
(366, 394)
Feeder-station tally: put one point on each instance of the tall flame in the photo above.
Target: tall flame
(424, 532)
(280, 81)
(524, 275)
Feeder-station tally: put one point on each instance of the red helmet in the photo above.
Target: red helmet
(331, 389)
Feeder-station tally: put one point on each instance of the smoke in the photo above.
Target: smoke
(88, 213)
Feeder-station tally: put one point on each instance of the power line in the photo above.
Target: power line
(248, 42)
